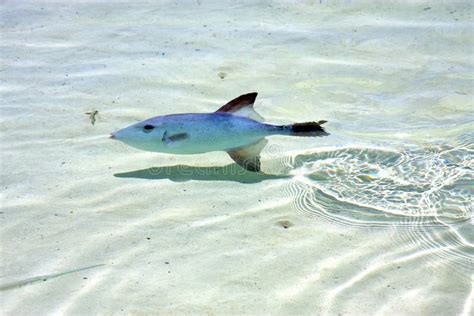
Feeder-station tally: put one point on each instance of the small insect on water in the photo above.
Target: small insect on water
(92, 116)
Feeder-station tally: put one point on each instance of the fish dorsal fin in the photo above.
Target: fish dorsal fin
(242, 106)
(236, 104)
(248, 157)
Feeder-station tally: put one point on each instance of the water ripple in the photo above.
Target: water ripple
(424, 194)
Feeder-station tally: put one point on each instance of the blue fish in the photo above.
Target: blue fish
(235, 128)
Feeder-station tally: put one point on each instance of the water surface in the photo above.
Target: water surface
(374, 219)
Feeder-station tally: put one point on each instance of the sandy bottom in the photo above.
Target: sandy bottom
(374, 219)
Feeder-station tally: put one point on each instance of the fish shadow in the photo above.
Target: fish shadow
(182, 173)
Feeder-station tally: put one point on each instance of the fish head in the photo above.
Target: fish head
(145, 135)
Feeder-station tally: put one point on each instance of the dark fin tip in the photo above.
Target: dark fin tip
(309, 129)
(248, 157)
(239, 102)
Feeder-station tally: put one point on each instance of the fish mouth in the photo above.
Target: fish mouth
(112, 136)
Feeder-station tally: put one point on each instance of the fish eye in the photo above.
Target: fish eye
(148, 127)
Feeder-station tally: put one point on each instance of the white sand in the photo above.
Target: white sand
(394, 81)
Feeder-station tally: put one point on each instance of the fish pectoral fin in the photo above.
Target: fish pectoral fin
(242, 106)
(248, 157)
(173, 138)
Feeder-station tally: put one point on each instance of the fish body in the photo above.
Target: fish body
(197, 133)
(235, 128)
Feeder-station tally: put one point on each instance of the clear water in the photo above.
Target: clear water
(374, 219)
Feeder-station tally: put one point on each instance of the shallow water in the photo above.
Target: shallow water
(374, 219)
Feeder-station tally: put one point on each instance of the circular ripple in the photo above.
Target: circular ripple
(423, 193)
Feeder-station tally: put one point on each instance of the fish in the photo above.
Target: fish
(235, 128)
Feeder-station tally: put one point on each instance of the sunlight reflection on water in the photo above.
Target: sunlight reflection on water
(423, 194)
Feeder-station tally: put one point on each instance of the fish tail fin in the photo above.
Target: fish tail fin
(308, 129)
